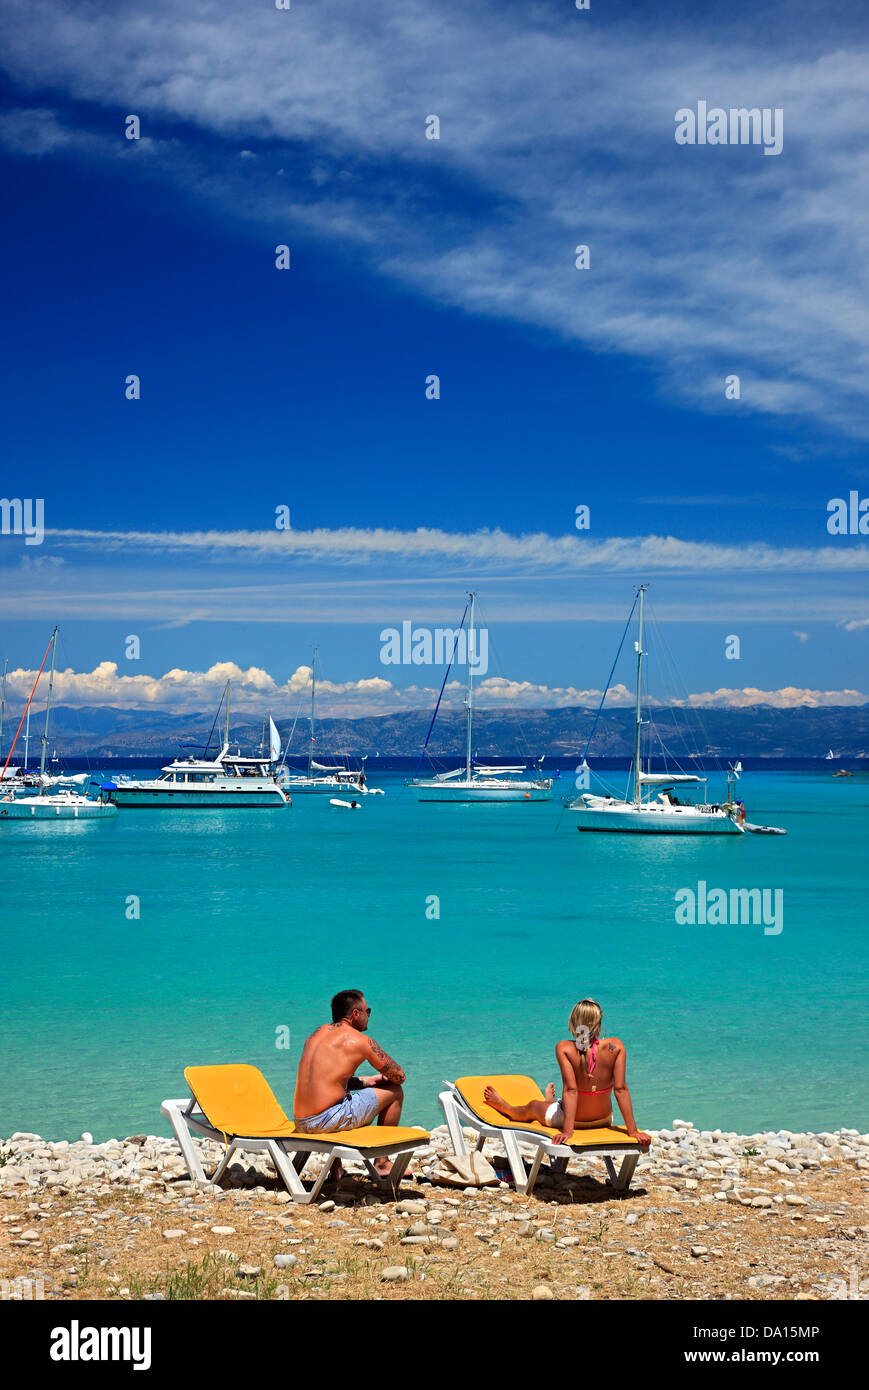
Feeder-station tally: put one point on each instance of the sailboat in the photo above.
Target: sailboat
(321, 778)
(654, 807)
(22, 778)
(63, 804)
(829, 756)
(474, 782)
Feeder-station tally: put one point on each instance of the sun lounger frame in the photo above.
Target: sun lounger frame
(458, 1114)
(289, 1155)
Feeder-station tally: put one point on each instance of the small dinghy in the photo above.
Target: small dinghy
(763, 829)
(348, 805)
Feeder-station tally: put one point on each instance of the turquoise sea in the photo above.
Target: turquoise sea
(250, 920)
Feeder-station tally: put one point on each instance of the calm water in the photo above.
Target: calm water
(250, 920)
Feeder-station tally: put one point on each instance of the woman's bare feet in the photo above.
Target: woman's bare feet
(550, 1092)
(497, 1102)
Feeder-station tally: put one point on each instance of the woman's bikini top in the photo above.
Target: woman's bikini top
(595, 1091)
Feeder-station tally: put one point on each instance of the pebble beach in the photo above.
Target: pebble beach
(710, 1214)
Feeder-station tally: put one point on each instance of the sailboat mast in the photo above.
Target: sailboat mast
(228, 695)
(469, 699)
(638, 786)
(3, 702)
(44, 747)
(313, 702)
(27, 739)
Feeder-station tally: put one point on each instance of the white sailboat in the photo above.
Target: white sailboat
(320, 778)
(829, 756)
(474, 782)
(655, 807)
(44, 805)
(17, 779)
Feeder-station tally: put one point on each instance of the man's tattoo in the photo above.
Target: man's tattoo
(389, 1068)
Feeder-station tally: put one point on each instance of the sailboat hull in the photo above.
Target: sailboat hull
(325, 786)
(649, 820)
(481, 791)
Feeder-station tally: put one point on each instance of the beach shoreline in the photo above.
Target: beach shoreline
(710, 1215)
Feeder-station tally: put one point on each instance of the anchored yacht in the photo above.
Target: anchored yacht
(227, 780)
(321, 778)
(29, 800)
(473, 782)
(655, 807)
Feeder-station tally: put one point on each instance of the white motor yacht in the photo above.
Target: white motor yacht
(227, 780)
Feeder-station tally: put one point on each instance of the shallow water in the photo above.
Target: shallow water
(250, 920)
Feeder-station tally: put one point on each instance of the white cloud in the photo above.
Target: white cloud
(788, 698)
(801, 636)
(181, 691)
(705, 261)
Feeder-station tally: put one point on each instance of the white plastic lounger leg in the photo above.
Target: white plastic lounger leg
(517, 1163)
(321, 1177)
(397, 1171)
(451, 1114)
(223, 1164)
(288, 1171)
(534, 1170)
(185, 1139)
(621, 1181)
(391, 1180)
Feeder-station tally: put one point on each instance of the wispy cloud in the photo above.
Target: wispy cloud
(633, 554)
(705, 261)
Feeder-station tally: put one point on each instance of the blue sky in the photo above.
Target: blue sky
(410, 257)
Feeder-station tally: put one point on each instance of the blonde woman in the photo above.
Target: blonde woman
(592, 1068)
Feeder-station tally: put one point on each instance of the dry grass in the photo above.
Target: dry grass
(113, 1246)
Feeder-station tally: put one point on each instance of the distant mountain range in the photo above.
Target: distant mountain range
(758, 731)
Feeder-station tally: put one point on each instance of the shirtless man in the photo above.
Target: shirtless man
(328, 1094)
(591, 1068)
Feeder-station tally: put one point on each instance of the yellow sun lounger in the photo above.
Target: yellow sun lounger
(463, 1106)
(235, 1105)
